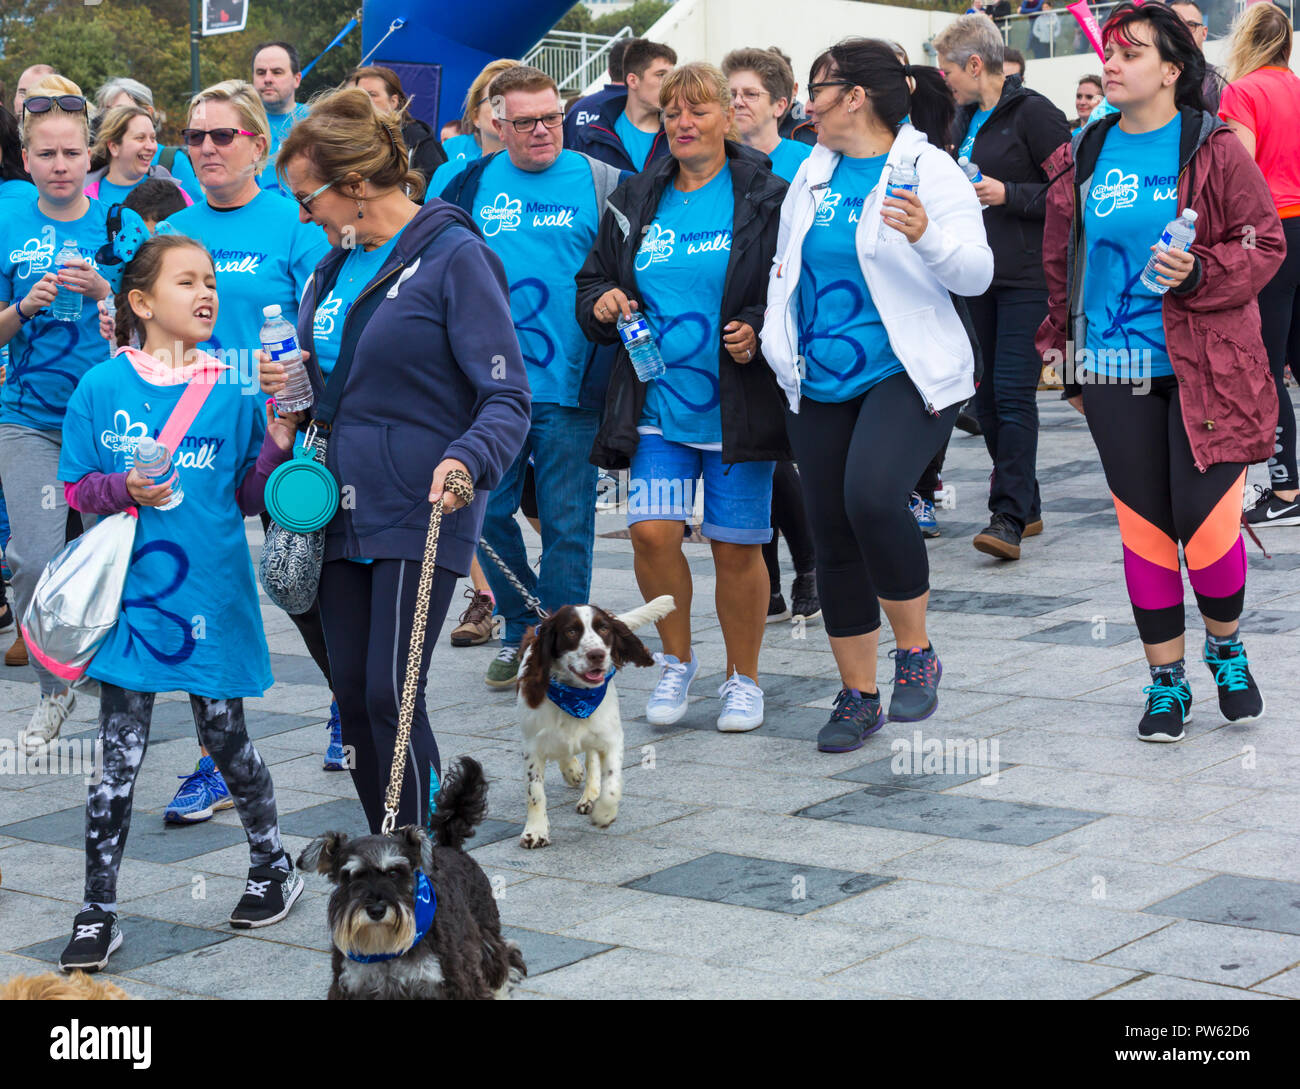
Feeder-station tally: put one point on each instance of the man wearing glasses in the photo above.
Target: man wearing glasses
(539, 207)
(628, 133)
(1194, 19)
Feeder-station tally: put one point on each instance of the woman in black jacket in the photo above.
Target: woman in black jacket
(423, 150)
(1008, 131)
(689, 244)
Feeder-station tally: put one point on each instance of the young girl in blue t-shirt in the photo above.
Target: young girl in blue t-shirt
(174, 632)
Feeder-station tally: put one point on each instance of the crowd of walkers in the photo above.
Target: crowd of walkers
(829, 281)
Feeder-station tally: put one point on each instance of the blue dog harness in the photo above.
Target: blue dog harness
(578, 702)
(426, 905)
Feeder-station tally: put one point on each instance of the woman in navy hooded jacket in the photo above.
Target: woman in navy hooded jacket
(437, 383)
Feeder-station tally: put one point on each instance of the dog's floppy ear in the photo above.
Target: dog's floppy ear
(418, 843)
(626, 648)
(537, 669)
(322, 854)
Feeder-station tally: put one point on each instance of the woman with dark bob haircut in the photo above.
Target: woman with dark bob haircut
(1175, 383)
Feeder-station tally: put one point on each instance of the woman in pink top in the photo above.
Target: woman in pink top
(1261, 104)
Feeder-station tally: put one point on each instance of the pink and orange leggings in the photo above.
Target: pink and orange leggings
(1162, 501)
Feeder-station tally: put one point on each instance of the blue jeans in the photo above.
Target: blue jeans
(559, 441)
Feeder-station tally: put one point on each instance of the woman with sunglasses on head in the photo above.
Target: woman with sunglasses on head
(874, 357)
(263, 255)
(1175, 386)
(47, 355)
(123, 155)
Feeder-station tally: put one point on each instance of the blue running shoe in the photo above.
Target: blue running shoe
(923, 511)
(334, 755)
(201, 794)
(916, 684)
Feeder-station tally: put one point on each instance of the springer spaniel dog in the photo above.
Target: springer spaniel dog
(568, 705)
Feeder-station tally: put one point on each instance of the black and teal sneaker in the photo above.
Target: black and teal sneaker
(1240, 699)
(1169, 709)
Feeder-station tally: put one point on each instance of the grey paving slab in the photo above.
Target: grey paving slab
(757, 882)
(931, 968)
(1269, 621)
(971, 863)
(995, 604)
(950, 815)
(1083, 633)
(1239, 901)
(1154, 988)
(709, 784)
(586, 856)
(1284, 984)
(150, 839)
(60, 872)
(1077, 504)
(26, 918)
(553, 904)
(546, 952)
(1110, 883)
(1255, 854)
(144, 941)
(1265, 811)
(1213, 954)
(245, 969)
(897, 772)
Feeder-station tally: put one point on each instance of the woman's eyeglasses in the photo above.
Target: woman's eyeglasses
(45, 103)
(220, 137)
(526, 125)
(747, 95)
(305, 202)
(814, 89)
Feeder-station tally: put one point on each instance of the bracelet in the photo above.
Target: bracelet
(23, 319)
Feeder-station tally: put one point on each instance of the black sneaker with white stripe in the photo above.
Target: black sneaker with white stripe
(268, 896)
(1269, 510)
(95, 935)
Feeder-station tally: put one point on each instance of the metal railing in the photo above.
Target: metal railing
(573, 58)
(1056, 33)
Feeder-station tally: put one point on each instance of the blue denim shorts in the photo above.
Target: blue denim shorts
(737, 497)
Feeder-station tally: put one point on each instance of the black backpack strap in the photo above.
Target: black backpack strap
(327, 406)
(168, 157)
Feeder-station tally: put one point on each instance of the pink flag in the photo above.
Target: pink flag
(1080, 10)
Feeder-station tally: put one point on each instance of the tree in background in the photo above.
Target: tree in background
(640, 17)
(150, 42)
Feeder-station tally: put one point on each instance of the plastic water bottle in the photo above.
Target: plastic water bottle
(67, 304)
(110, 309)
(641, 347)
(904, 176)
(280, 342)
(155, 461)
(1178, 235)
(970, 169)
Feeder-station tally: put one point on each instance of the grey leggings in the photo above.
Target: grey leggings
(124, 718)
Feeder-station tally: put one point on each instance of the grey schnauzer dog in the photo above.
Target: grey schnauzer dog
(413, 916)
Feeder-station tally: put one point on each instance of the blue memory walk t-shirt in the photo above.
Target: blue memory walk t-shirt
(359, 268)
(542, 225)
(442, 177)
(263, 255)
(462, 148)
(190, 620)
(972, 130)
(842, 339)
(280, 123)
(681, 267)
(47, 357)
(787, 157)
(1134, 194)
(636, 142)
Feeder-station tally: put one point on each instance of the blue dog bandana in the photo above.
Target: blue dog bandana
(578, 702)
(426, 905)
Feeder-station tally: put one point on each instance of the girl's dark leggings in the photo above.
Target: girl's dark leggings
(1162, 499)
(790, 519)
(124, 718)
(859, 461)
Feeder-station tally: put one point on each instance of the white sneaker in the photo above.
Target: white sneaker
(47, 721)
(742, 705)
(667, 703)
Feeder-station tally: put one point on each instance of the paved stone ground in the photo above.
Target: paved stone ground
(1089, 865)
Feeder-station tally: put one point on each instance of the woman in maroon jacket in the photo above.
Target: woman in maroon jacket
(1175, 385)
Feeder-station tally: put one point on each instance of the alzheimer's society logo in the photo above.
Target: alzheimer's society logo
(38, 256)
(503, 214)
(826, 209)
(656, 247)
(1119, 190)
(124, 434)
(323, 326)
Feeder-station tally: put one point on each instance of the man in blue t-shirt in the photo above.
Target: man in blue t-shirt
(276, 76)
(538, 207)
(628, 132)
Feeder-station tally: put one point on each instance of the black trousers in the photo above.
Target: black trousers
(859, 461)
(309, 627)
(367, 610)
(791, 519)
(1006, 404)
(1279, 319)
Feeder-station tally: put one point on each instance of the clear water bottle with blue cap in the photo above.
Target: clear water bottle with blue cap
(154, 461)
(904, 176)
(641, 347)
(67, 303)
(110, 311)
(970, 169)
(280, 342)
(1179, 234)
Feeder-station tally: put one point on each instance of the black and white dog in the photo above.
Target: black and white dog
(412, 917)
(568, 705)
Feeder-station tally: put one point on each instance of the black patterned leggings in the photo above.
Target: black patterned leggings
(124, 719)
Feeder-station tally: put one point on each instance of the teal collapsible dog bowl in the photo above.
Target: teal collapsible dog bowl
(302, 495)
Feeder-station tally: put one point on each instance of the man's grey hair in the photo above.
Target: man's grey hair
(968, 36)
(140, 94)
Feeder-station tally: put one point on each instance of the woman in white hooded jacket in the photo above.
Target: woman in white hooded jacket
(864, 336)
